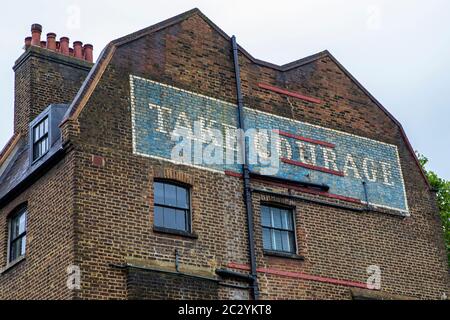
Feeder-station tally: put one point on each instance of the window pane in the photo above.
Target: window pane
(169, 218)
(14, 228)
(22, 223)
(46, 125)
(181, 220)
(41, 148)
(13, 254)
(267, 241)
(277, 240)
(182, 198)
(287, 244)
(36, 134)
(286, 217)
(265, 217)
(35, 151)
(23, 246)
(276, 213)
(170, 193)
(159, 216)
(46, 145)
(159, 193)
(16, 249)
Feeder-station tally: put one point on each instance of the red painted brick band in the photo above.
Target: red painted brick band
(288, 93)
(315, 168)
(233, 174)
(303, 276)
(313, 141)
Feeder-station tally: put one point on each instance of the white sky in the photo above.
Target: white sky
(399, 50)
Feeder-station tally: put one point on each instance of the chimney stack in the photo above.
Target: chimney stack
(62, 46)
(36, 31)
(55, 73)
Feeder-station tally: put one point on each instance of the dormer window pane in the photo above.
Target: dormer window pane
(40, 139)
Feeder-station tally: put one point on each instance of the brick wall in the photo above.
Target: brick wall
(108, 206)
(50, 238)
(43, 77)
(336, 243)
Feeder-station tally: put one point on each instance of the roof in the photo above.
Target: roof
(15, 168)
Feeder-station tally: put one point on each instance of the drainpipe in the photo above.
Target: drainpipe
(246, 171)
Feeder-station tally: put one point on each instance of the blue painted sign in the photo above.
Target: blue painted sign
(162, 115)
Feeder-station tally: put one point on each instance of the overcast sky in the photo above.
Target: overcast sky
(399, 50)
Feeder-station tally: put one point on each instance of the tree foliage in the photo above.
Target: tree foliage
(443, 198)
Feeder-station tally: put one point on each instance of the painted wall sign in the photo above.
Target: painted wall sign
(305, 152)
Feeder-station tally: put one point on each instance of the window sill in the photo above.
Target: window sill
(285, 255)
(175, 232)
(12, 265)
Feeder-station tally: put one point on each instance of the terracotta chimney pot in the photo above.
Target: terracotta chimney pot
(64, 45)
(89, 52)
(51, 41)
(36, 31)
(28, 42)
(78, 49)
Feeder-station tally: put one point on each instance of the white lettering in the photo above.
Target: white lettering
(371, 174)
(330, 157)
(351, 165)
(387, 174)
(163, 114)
(307, 153)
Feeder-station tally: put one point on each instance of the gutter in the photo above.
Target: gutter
(246, 171)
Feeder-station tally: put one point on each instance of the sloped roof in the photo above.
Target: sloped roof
(105, 57)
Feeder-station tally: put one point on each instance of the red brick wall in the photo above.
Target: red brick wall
(50, 238)
(103, 212)
(116, 201)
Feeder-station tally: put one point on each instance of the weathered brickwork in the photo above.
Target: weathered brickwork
(340, 160)
(102, 213)
(141, 285)
(50, 238)
(43, 77)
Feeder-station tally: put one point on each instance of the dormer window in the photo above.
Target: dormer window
(45, 135)
(40, 139)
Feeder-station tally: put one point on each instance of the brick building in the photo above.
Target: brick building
(89, 186)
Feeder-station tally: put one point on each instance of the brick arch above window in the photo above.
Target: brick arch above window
(170, 174)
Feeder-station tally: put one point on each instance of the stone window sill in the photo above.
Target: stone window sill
(175, 232)
(12, 265)
(285, 255)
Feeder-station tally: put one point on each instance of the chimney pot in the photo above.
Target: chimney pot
(28, 42)
(89, 52)
(71, 53)
(78, 49)
(43, 44)
(36, 31)
(51, 41)
(64, 45)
